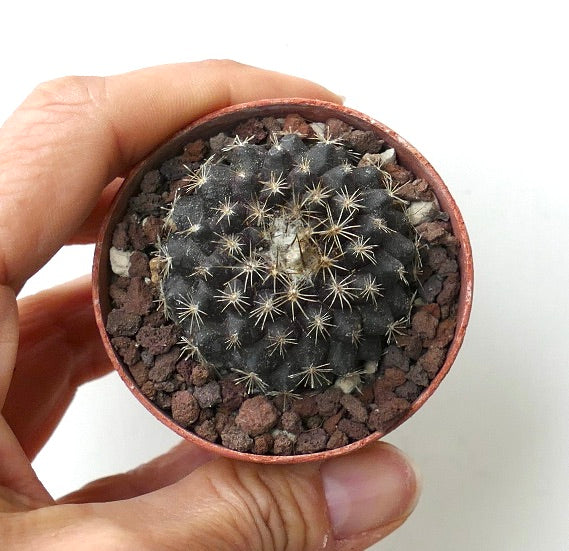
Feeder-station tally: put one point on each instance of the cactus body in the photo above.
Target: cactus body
(287, 263)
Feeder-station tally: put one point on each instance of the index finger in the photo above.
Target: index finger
(72, 136)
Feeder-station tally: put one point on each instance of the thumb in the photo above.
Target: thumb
(347, 502)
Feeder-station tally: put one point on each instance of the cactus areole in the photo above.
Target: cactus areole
(283, 286)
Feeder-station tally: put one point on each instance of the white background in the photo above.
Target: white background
(479, 88)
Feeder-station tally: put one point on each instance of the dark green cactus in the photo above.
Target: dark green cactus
(287, 263)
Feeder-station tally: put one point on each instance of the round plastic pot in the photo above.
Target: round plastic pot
(225, 119)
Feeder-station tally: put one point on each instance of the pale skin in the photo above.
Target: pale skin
(67, 146)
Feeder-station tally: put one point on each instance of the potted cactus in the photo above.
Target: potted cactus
(283, 280)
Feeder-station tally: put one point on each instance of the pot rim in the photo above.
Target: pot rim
(229, 116)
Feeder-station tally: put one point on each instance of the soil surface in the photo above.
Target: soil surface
(216, 405)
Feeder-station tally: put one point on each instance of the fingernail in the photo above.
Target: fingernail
(369, 489)
(339, 98)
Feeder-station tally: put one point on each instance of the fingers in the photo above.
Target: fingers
(89, 229)
(60, 349)
(8, 338)
(158, 473)
(369, 498)
(74, 135)
(17, 474)
(346, 503)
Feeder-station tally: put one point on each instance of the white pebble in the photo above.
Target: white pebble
(319, 128)
(388, 156)
(421, 211)
(348, 383)
(120, 261)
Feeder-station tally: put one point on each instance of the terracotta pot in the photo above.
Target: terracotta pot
(218, 121)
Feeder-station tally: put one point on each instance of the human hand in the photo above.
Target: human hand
(58, 153)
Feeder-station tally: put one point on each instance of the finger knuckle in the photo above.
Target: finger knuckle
(66, 95)
(42, 119)
(270, 509)
(52, 116)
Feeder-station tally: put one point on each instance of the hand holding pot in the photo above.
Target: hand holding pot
(58, 153)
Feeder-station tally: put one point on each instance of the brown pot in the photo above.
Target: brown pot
(218, 121)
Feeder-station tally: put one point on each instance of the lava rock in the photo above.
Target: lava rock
(164, 366)
(329, 401)
(296, 126)
(364, 141)
(391, 408)
(256, 416)
(157, 340)
(185, 408)
(262, 444)
(121, 323)
(431, 361)
(311, 441)
(127, 349)
(353, 429)
(337, 440)
(354, 407)
(139, 372)
(206, 430)
(393, 357)
(236, 439)
(208, 395)
(291, 422)
(282, 444)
